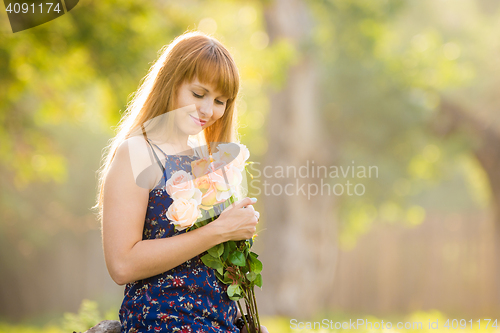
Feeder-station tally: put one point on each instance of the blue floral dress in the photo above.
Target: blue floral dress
(186, 298)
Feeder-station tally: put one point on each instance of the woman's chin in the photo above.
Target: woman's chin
(195, 131)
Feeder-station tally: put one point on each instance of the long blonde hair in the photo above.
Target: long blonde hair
(190, 54)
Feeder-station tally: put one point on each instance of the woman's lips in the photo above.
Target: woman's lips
(198, 121)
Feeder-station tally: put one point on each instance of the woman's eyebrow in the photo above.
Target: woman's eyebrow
(198, 85)
(202, 87)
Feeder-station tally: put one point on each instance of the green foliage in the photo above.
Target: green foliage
(10, 328)
(88, 315)
(384, 67)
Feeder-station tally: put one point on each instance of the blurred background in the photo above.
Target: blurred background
(410, 87)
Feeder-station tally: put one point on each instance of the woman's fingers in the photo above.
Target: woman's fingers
(243, 203)
(246, 202)
(250, 207)
(240, 223)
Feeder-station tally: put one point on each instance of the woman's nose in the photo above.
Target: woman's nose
(205, 110)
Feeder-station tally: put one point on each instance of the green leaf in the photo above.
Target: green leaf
(258, 281)
(244, 269)
(226, 251)
(216, 251)
(251, 276)
(220, 249)
(237, 258)
(227, 279)
(232, 246)
(212, 262)
(255, 264)
(253, 254)
(219, 276)
(233, 289)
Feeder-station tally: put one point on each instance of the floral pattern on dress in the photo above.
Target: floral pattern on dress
(186, 298)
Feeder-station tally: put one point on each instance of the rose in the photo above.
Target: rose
(233, 175)
(200, 167)
(203, 183)
(180, 185)
(216, 176)
(209, 198)
(222, 196)
(233, 153)
(183, 213)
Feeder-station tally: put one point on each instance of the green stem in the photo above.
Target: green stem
(243, 315)
(255, 319)
(252, 301)
(249, 311)
(252, 308)
(256, 309)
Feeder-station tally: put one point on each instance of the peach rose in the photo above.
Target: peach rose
(180, 185)
(200, 167)
(233, 153)
(217, 177)
(183, 213)
(209, 198)
(222, 196)
(203, 183)
(233, 175)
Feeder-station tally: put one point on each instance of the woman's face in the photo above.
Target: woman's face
(210, 106)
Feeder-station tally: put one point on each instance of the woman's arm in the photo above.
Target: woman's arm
(128, 257)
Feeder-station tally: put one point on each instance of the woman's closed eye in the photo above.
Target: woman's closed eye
(201, 96)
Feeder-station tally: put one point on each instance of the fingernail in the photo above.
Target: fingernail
(253, 199)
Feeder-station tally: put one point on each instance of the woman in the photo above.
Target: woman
(189, 92)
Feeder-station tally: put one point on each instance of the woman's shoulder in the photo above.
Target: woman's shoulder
(135, 151)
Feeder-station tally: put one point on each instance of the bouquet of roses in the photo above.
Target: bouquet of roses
(198, 199)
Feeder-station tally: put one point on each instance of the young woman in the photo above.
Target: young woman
(189, 92)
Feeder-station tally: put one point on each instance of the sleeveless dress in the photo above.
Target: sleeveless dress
(186, 298)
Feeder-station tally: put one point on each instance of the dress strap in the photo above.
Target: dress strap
(156, 156)
(159, 148)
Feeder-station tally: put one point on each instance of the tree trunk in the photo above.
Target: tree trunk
(300, 233)
(487, 152)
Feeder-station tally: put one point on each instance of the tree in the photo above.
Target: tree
(300, 229)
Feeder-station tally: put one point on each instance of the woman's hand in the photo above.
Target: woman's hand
(263, 329)
(238, 221)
